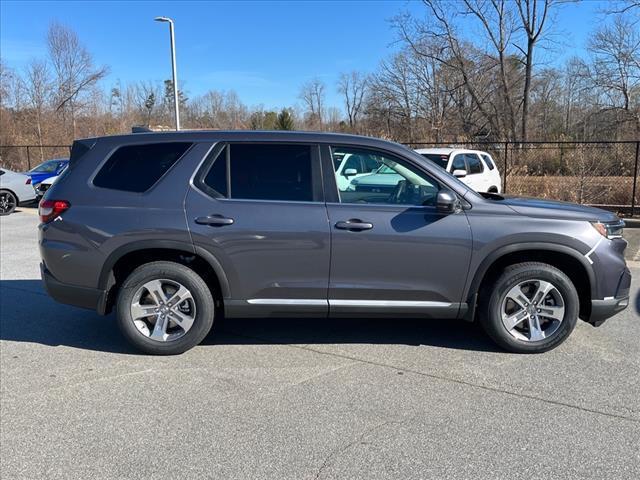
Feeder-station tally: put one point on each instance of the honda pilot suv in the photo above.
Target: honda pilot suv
(175, 229)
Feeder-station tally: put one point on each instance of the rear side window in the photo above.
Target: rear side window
(136, 168)
(216, 177)
(489, 161)
(270, 172)
(474, 164)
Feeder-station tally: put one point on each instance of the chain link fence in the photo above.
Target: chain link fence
(21, 158)
(603, 174)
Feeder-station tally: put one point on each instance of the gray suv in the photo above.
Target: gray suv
(175, 229)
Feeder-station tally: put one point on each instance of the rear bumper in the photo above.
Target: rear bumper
(83, 297)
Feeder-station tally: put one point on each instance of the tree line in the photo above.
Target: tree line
(462, 71)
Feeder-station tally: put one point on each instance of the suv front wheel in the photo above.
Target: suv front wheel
(164, 308)
(531, 308)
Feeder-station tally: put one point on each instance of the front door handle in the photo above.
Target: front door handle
(214, 220)
(354, 225)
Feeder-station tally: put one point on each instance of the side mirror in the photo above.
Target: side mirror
(350, 172)
(447, 202)
(459, 173)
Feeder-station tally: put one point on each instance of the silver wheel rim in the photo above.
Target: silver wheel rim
(163, 310)
(7, 202)
(532, 310)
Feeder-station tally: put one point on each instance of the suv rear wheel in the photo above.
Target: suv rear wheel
(164, 308)
(532, 307)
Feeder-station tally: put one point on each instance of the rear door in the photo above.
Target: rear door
(258, 208)
(392, 251)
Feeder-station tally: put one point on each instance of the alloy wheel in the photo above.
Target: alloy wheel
(163, 310)
(532, 310)
(7, 202)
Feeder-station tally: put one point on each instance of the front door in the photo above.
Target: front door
(258, 209)
(392, 251)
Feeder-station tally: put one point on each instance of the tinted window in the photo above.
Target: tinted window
(216, 177)
(458, 163)
(489, 161)
(271, 172)
(46, 167)
(135, 168)
(440, 160)
(393, 182)
(474, 164)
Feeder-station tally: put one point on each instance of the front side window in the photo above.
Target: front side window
(474, 164)
(393, 182)
(136, 168)
(458, 163)
(279, 172)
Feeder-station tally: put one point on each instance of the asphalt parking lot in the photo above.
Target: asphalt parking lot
(305, 399)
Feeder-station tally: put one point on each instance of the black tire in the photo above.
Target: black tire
(204, 316)
(8, 202)
(490, 304)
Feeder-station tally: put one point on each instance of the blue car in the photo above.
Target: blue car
(47, 169)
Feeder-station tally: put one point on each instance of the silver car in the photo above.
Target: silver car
(15, 190)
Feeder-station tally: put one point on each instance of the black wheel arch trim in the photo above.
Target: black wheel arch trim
(106, 279)
(490, 259)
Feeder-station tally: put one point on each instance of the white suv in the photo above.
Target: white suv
(474, 167)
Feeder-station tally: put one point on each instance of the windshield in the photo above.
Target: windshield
(437, 158)
(46, 167)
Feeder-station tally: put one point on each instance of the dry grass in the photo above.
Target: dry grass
(603, 190)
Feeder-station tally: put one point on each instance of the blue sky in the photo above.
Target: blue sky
(262, 50)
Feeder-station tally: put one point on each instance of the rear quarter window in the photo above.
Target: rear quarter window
(489, 161)
(136, 168)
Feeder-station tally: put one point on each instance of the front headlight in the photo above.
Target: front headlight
(609, 230)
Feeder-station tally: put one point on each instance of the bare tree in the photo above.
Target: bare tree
(533, 15)
(74, 69)
(498, 24)
(353, 86)
(615, 68)
(312, 94)
(38, 92)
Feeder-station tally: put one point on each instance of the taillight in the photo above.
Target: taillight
(28, 182)
(51, 209)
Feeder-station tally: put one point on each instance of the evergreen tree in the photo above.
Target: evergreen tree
(284, 120)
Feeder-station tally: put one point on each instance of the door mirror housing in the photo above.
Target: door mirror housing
(350, 172)
(447, 202)
(459, 173)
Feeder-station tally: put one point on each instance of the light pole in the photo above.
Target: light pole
(173, 66)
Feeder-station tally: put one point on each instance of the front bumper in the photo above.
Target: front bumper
(604, 309)
(83, 297)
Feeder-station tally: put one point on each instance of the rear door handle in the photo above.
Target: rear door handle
(355, 225)
(214, 220)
